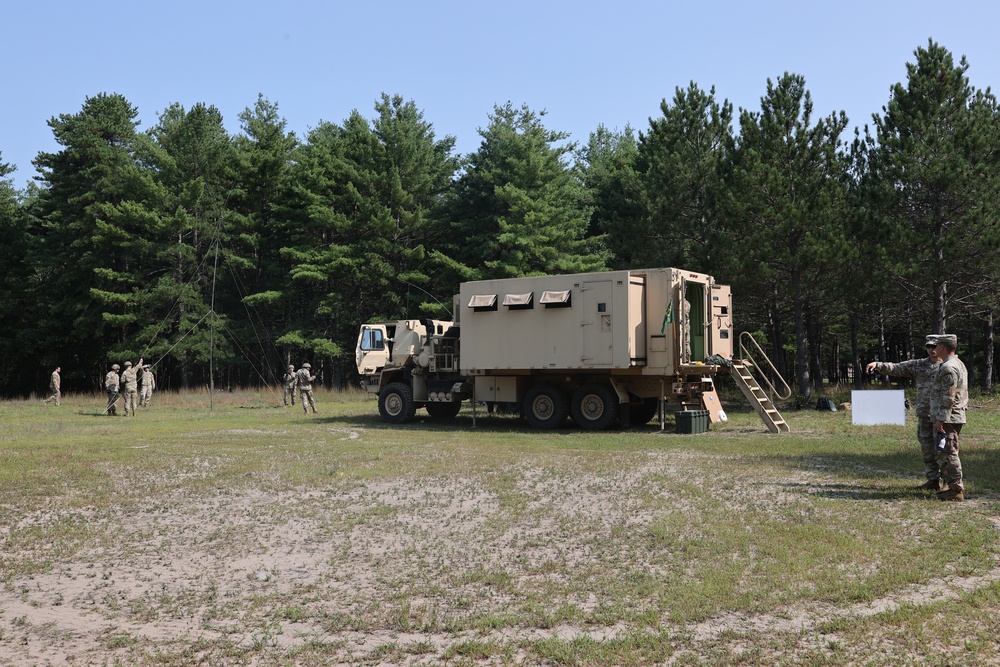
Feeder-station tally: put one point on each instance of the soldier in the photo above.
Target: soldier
(111, 384)
(949, 396)
(55, 383)
(146, 386)
(289, 379)
(921, 371)
(130, 386)
(304, 380)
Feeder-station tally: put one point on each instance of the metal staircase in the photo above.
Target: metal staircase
(745, 380)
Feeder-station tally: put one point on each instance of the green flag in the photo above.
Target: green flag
(668, 316)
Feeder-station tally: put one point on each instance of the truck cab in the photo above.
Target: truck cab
(411, 364)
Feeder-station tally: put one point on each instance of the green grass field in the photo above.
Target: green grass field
(254, 534)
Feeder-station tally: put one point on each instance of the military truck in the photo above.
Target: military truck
(607, 348)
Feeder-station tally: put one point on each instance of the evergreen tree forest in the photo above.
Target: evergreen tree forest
(222, 257)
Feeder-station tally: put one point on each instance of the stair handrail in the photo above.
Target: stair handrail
(746, 353)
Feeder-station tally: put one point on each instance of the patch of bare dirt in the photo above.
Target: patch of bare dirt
(278, 571)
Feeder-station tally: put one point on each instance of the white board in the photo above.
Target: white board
(886, 406)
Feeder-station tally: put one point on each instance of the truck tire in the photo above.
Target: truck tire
(595, 407)
(643, 413)
(545, 406)
(443, 410)
(395, 403)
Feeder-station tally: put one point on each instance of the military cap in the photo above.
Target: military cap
(306, 365)
(290, 367)
(128, 363)
(115, 367)
(930, 340)
(951, 340)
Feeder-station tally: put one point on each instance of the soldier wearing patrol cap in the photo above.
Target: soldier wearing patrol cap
(289, 379)
(147, 383)
(130, 386)
(304, 380)
(949, 397)
(921, 371)
(111, 384)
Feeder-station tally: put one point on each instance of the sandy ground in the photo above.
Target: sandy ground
(182, 577)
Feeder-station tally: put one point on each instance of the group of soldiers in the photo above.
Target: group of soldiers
(135, 386)
(301, 380)
(942, 383)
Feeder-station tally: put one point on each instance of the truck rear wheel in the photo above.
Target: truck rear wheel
(545, 406)
(643, 413)
(395, 403)
(443, 410)
(595, 407)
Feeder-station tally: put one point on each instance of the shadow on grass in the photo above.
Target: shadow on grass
(489, 423)
(462, 422)
(856, 491)
(891, 476)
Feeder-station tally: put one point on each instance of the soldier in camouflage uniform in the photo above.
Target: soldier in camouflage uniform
(290, 380)
(304, 380)
(949, 397)
(130, 386)
(111, 383)
(55, 382)
(146, 386)
(921, 371)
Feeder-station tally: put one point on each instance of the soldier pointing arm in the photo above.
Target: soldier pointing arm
(921, 371)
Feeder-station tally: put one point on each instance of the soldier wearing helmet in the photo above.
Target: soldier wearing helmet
(304, 380)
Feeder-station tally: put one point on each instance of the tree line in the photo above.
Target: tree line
(207, 252)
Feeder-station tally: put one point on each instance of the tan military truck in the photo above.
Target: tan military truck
(603, 348)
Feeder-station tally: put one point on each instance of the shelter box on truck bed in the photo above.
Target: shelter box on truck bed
(643, 321)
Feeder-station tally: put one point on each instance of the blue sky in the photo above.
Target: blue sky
(585, 63)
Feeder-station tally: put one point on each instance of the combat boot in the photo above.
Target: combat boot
(956, 493)
(932, 485)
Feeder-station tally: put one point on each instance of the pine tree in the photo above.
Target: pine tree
(94, 218)
(195, 166)
(360, 207)
(17, 338)
(519, 208)
(619, 219)
(786, 207)
(680, 160)
(256, 234)
(933, 159)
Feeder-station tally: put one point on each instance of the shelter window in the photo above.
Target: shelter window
(519, 301)
(483, 302)
(556, 299)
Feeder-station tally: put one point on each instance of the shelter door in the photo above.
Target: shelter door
(597, 323)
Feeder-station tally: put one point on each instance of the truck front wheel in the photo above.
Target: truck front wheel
(395, 403)
(595, 407)
(545, 406)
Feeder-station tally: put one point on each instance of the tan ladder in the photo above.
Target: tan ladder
(758, 399)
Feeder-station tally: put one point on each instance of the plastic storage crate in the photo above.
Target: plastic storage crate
(691, 421)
